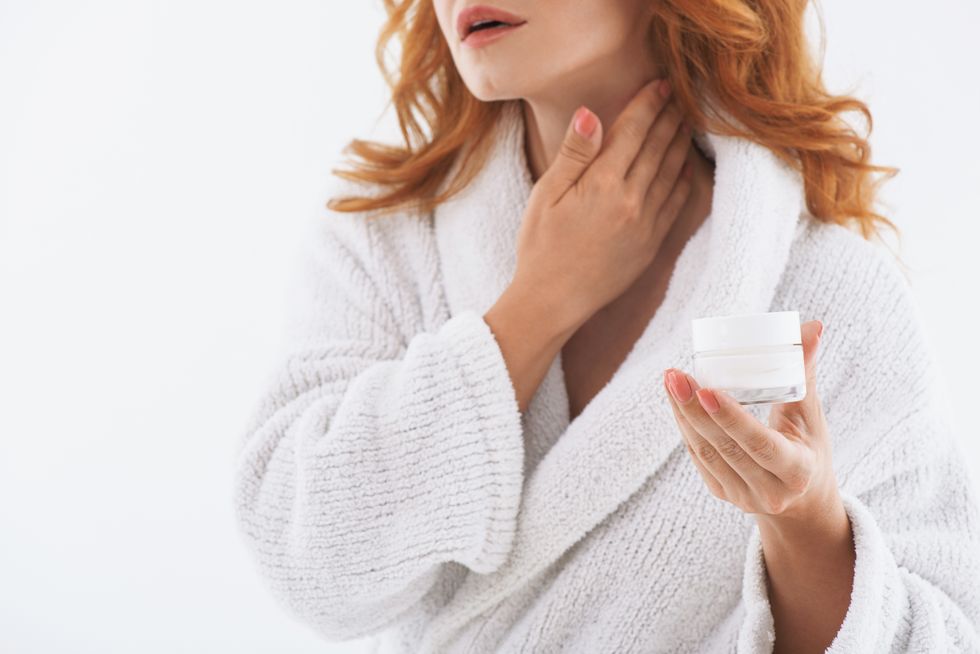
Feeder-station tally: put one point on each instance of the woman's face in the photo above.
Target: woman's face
(563, 45)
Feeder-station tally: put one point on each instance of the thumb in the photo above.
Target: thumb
(809, 408)
(582, 141)
(812, 330)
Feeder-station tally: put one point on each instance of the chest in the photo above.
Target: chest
(594, 353)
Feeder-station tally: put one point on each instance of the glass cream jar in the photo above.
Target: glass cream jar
(757, 358)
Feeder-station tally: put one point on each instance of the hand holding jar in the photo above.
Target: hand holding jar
(781, 469)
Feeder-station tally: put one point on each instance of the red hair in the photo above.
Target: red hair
(749, 57)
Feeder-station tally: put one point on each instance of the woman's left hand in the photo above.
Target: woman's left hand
(782, 470)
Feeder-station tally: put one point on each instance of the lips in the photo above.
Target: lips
(472, 15)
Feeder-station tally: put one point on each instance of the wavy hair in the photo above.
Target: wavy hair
(748, 57)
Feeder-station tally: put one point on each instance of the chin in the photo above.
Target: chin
(487, 89)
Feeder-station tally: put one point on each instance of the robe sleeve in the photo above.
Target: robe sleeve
(916, 581)
(375, 458)
(910, 497)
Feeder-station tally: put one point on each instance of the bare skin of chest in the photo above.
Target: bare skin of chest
(599, 346)
(595, 351)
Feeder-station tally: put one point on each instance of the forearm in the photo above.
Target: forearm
(810, 567)
(530, 333)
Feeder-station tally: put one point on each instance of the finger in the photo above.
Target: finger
(762, 482)
(666, 211)
(663, 153)
(806, 413)
(712, 482)
(709, 480)
(767, 447)
(628, 132)
(811, 332)
(577, 151)
(731, 483)
(735, 482)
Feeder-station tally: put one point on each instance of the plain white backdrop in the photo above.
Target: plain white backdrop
(156, 162)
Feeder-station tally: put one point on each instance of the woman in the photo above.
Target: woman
(483, 436)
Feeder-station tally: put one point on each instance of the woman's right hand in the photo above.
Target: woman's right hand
(596, 219)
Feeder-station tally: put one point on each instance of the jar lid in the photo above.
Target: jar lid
(746, 330)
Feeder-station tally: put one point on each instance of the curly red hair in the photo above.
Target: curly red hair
(749, 57)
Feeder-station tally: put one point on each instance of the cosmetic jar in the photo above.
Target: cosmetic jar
(757, 358)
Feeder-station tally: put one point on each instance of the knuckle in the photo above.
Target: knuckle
(632, 130)
(774, 503)
(629, 207)
(576, 151)
(799, 480)
(707, 453)
(727, 421)
(605, 183)
(763, 448)
(731, 450)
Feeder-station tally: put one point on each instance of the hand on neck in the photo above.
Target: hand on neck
(546, 121)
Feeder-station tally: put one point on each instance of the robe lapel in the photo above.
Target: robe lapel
(732, 264)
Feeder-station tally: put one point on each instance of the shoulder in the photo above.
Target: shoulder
(878, 375)
(875, 359)
(841, 260)
(373, 258)
(378, 241)
(835, 272)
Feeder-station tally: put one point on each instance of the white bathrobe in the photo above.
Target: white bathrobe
(389, 485)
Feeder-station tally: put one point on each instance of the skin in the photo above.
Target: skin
(782, 474)
(602, 68)
(597, 53)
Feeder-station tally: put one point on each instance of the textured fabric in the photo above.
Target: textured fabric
(388, 484)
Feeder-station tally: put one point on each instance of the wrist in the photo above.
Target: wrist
(548, 316)
(815, 524)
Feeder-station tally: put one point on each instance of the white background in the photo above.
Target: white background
(156, 162)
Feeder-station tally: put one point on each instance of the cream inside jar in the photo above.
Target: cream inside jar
(757, 358)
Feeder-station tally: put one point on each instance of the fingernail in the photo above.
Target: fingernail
(679, 386)
(585, 121)
(820, 329)
(707, 400)
(665, 88)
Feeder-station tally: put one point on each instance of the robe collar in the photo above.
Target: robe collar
(732, 264)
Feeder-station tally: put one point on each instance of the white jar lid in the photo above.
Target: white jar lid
(746, 330)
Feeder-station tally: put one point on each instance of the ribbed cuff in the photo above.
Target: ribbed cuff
(873, 568)
(485, 372)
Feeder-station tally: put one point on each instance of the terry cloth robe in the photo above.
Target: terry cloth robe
(388, 485)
